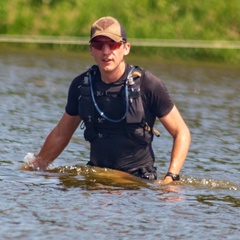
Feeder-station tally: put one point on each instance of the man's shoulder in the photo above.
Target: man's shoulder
(144, 74)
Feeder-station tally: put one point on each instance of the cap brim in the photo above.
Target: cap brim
(114, 37)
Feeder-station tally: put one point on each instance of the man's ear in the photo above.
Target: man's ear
(127, 48)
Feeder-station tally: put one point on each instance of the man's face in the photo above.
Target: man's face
(107, 53)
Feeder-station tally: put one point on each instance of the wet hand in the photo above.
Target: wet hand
(167, 180)
(33, 163)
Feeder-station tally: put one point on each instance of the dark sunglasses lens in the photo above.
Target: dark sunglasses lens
(97, 45)
(114, 45)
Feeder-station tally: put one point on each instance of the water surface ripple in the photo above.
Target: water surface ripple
(72, 201)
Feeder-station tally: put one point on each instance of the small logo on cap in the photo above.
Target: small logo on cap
(105, 23)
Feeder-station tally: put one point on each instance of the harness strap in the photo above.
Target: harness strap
(102, 114)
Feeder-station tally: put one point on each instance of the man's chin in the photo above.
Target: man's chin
(107, 68)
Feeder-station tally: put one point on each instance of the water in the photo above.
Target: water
(72, 201)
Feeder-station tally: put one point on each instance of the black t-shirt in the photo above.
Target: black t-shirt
(120, 152)
(157, 102)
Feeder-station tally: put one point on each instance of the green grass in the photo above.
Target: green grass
(145, 19)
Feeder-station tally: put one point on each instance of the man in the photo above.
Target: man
(118, 105)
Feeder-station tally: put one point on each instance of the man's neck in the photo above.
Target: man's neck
(113, 76)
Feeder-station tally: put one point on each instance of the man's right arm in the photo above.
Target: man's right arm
(55, 142)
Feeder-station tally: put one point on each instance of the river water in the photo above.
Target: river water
(71, 201)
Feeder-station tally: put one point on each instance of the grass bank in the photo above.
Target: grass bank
(145, 19)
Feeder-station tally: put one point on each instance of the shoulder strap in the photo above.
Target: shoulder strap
(94, 68)
(137, 72)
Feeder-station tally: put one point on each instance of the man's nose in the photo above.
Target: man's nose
(106, 48)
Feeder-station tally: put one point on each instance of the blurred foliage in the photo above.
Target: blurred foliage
(146, 19)
(160, 19)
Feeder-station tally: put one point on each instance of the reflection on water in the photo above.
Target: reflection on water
(72, 200)
(94, 178)
(211, 199)
(83, 176)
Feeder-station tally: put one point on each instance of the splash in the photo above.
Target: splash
(97, 178)
(210, 183)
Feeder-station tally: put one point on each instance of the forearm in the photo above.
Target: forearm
(179, 152)
(180, 149)
(54, 144)
(178, 129)
(52, 147)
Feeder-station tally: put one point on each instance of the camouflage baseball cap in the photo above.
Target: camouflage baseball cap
(109, 27)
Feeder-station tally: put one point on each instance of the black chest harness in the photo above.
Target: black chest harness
(116, 109)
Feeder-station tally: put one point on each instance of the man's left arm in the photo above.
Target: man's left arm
(176, 126)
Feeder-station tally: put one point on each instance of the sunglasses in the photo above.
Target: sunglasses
(112, 45)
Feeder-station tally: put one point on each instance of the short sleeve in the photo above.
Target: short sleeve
(156, 95)
(73, 94)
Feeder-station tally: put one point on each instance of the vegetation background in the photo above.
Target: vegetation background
(144, 19)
